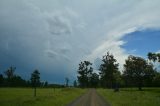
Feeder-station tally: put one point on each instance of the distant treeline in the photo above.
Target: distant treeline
(10, 79)
(137, 72)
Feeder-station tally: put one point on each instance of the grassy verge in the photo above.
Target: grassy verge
(132, 97)
(45, 97)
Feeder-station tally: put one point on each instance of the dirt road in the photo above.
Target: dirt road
(91, 98)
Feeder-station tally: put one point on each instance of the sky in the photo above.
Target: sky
(55, 35)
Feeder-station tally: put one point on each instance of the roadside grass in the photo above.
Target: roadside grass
(132, 97)
(45, 96)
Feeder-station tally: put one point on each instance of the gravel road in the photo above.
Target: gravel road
(91, 98)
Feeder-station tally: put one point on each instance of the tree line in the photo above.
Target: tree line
(10, 79)
(137, 72)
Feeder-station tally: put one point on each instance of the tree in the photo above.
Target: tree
(35, 80)
(67, 81)
(117, 80)
(17, 81)
(155, 57)
(10, 74)
(149, 74)
(94, 80)
(84, 72)
(45, 84)
(156, 79)
(152, 56)
(107, 70)
(75, 83)
(1, 80)
(136, 69)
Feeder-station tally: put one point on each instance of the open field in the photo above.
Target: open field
(64, 96)
(45, 96)
(132, 97)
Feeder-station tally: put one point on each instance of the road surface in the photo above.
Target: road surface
(91, 98)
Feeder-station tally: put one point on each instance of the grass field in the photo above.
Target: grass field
(45, 96)
(132, 97)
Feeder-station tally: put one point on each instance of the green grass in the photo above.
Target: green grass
(45, 96)
(132, 97)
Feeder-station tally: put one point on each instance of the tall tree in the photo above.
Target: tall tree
(137, 69)
(155, 57)
(10, 74)
(46, 84)
(84, 72)
(1, 80)
(156, 79)
(75, 83)
(94, 80)
(67, 81)
(107, 70)
(35, 80)
(117, 80)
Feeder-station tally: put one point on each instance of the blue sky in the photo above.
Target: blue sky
(55, 35)
(142, 42)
